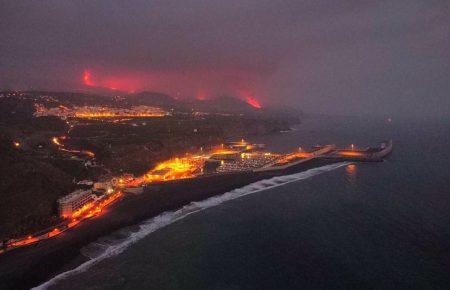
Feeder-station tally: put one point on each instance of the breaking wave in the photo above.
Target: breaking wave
(119, 241)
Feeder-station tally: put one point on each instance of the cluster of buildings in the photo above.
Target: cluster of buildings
(89, 194)
(64, 112)
(238, 156)
(68, 205)
(231, 157)
(247, 161)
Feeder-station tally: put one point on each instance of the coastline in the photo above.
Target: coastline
(55, 256)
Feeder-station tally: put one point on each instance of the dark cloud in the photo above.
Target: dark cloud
(345, 57)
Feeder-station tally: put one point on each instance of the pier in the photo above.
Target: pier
(366, 155)
(216, 172)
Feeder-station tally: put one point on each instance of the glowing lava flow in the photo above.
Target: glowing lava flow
(249, 96)
(87, 79)
(253, 102)
(127, 83)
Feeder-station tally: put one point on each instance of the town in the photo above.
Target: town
(87, 112)
(92, 197)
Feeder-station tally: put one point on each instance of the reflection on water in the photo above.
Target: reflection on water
(368, 226)
(350, 171)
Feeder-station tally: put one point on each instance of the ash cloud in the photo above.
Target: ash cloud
(339, 57)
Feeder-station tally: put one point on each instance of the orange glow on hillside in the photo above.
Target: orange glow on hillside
(201, 84)
(201, 96)
(87, 79)
(253, 102)
(124, 83)
(249, 97)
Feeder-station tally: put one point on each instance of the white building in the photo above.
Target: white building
(68, 204)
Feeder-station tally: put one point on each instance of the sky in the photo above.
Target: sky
(387, 58)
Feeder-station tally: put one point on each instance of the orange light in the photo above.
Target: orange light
(114, 114)
(201, 96)
(54, 233)
(293, 156)
(351, 169)
(88, 153)
(351, 153)
(16, 144)
(224, 151)
(55, 140)
(253, 102)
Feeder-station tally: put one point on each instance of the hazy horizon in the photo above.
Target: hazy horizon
(341, 58)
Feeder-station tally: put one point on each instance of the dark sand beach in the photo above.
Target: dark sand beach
(28, 267)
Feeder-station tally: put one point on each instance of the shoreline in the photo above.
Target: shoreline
(42, 261)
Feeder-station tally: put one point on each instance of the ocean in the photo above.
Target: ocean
(343, 226)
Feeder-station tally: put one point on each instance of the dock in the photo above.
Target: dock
(367, 155)
(330, 153)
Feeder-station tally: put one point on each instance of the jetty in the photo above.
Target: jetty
(366, 155)
(226, 169)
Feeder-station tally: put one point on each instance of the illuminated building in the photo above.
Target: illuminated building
(70, 203)
(226, 155)
(177, 168)
(99, 112)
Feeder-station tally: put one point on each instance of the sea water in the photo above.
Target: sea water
(342, 226)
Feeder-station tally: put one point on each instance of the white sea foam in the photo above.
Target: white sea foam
(147, 227)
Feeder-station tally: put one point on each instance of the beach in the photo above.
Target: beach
(28, 267)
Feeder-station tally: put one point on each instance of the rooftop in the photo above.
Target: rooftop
(74, 195)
